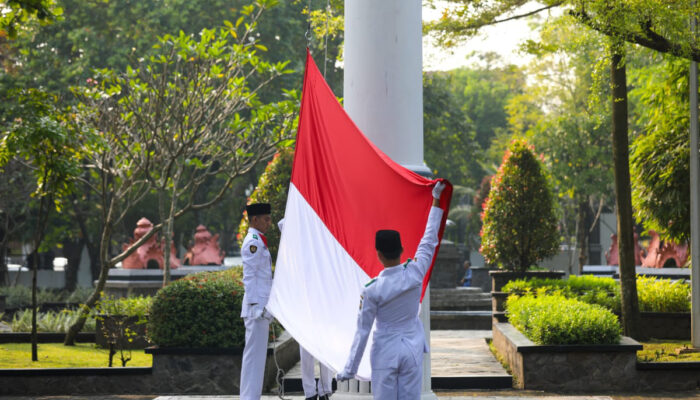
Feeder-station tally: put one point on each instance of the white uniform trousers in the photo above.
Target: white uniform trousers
(308, 379)
(257, 331)
(402, 383)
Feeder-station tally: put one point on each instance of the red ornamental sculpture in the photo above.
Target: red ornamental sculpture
(206, 249)
(150, 254)
(658, 254)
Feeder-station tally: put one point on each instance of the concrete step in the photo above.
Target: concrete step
(460, 320)
(461, 299)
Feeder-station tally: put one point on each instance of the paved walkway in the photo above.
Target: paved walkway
(462, 353)
(453, 353)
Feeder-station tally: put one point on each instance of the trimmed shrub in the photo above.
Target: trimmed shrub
(555, 319)
(654, 294)
(272, 188)
(199, 310)
(589, 289)
(519, 219)
(662, 295)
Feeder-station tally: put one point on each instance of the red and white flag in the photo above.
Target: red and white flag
(343, 189)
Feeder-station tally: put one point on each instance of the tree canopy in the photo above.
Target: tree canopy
(660, 25)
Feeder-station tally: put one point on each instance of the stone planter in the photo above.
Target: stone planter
(216, 371)
(197, 371)
(589, 368)
(658, 325)
(110, 325)
(499, 278)
(448, 268)
(498, 309)
(583, 368)
(481, 278)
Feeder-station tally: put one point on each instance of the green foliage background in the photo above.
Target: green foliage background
(272, 188)
(660, 156)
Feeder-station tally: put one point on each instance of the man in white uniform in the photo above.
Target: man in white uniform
(393, 299)
(257, 281)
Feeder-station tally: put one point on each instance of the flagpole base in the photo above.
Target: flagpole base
(428, 396)
(353, 390)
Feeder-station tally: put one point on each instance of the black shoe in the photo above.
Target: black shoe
(324, 397)
(314, 397)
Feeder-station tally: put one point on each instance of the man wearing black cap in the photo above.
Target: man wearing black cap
(392, 298)
(257, 280)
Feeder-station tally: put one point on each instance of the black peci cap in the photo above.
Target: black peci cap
(388, 241)
(258, 209)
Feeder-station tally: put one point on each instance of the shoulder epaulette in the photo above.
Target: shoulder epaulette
(370, 282)
(255, 236)
(406, 263)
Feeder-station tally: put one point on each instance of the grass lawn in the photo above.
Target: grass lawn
(56, 355)
(665, 351)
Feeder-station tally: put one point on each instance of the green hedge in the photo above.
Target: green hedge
(200, 310)
(655, 294)
(593, 290)
(555, 319)
(138, 306)
(663, 295)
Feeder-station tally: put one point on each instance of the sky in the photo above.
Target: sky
(503, 38)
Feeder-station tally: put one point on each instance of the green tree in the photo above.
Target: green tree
(464, 110)
(95, 34)
(572, 127)
(37, 131)
(16, 186)
(660, 156)
(519, 220)
(450, 147)
(179, 120)
(16, 13)
(655, 24)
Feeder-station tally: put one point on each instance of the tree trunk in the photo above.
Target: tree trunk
(72, 250)
(164, 210)
(93, 250)
(97, 293)
(623, 196)
(4, 274)
(582, 214)
(35, 266)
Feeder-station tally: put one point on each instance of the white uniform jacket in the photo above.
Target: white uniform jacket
(393, 299)
(257, 274)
